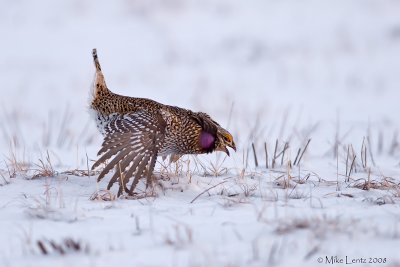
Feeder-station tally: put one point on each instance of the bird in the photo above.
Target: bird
(138, 130)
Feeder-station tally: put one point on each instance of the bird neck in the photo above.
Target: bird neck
(207, 141)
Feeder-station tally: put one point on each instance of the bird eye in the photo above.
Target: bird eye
(228, 138)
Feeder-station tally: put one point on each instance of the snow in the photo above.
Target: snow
(267, 70)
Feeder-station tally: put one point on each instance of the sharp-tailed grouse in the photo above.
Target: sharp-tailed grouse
(137, 130)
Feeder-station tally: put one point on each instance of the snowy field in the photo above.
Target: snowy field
(276, 74)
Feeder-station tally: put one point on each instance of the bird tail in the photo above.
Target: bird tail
(96, 60)
(99, 84)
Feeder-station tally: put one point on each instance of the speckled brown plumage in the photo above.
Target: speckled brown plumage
(137, 130)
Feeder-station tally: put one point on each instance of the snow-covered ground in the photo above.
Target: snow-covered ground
(267, 70)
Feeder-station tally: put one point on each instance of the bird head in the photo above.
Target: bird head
(224, 140)
(212, 136)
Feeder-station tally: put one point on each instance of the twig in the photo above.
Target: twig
(337, 168)
(247, 157)
(380, 142)
(364, 154)
(304, 150)
(370, 151)
(347, 158)
(255, 155)
(42, 247)
(266, 155)
(351, 167)
(273, 159)
(230, 115)
(87, 165)
(394, 145)
(283, 151)
(297, 156)
(205, 191)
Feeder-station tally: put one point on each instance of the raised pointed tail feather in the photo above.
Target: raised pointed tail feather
(99, 82)
(96, 60)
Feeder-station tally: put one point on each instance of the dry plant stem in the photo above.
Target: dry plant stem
(297, 156)
(351, 167)
(247, 158)
(369, 179)
(337, 142)
(4, 178)
(205, 191)
(266, 155)
(394, 145)
(288, 170)
(45, 168)
(63, 132)
(337, 168)
(67, 245)
(122, 184)
(42, 247)
(283, 152)
(355, 163)
(273, 159)
(364, 154)
(380, 142)
(230, 115)
(304, 150)
(87, 165)
(255, 154)
(370, 151)
(12, 174)
(294, 187)
(284, 121)
(347, 160)
(286, 146)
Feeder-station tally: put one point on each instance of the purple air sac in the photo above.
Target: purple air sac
(207, 140)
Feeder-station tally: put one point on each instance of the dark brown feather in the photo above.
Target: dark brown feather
(132, 141)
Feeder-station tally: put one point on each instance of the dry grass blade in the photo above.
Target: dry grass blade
(394, 145)
(255, 154)
(4, 179)
(351, 167)
(283, 152)
(14, 164)
(274, 158)
(63, 133)
(304, 150)
(370, 151)
(42, 247)
(385, 184)
(44, 168)
(364, 154)
(217, 168)
(297, 157)
(347, 160)
(205, 191)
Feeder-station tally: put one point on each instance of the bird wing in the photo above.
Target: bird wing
(132, 142)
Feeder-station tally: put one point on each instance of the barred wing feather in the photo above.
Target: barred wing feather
(132, 142)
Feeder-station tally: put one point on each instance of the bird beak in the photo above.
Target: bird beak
(227, 151)
(225, 148)
(233, 146)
